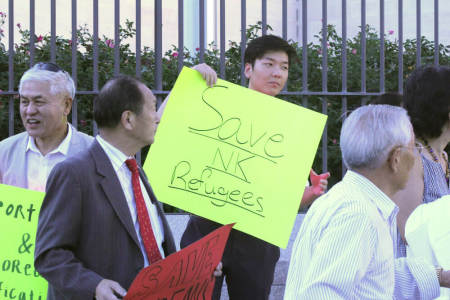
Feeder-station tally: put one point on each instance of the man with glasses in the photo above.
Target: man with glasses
(46, 96)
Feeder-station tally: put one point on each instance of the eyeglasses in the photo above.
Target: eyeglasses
(48, 66)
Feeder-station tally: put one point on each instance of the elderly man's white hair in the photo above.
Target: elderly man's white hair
(371, 132)
(60, 81)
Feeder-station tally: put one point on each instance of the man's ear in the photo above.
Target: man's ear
(394, 160)
(67, 105)
(127, 120)
(248, 70)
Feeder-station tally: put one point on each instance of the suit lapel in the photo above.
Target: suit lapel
(113, 189)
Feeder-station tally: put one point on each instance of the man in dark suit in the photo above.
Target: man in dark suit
(248, 262)
(100, 222)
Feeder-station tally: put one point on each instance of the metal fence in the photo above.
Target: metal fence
(158, 13)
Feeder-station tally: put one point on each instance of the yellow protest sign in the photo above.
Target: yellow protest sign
(19, 212)
(231, 154)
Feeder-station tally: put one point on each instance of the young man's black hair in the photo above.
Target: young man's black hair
(268, 43)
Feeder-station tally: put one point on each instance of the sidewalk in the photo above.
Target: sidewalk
(178, 224)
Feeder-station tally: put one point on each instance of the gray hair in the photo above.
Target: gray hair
(60, 81)
(371, 132)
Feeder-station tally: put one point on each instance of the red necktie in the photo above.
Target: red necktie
(145, 227)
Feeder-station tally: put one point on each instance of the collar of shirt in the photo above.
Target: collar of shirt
(63, 148)
(116, 156)
(385, 205)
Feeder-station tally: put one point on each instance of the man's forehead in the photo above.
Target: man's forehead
(32, 87)
(278, 56)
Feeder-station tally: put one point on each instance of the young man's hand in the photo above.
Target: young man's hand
(218, 270)
(207, 72)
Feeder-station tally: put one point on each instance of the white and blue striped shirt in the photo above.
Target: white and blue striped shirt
(344, 248)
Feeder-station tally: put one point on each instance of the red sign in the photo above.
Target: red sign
(186, 274)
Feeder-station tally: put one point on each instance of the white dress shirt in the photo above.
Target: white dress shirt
(40, 166)
(344, 248)
(427, 231)
(124, 174)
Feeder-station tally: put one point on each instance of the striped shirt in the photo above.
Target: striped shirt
(344, 248)
(435, 183)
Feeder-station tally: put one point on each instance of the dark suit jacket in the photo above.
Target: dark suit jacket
(85, 231)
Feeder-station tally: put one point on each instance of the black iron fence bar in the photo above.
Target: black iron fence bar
(287, 93)
(158, 47)
(95, 45)
(344, 67)
(344, 46)
(436, 32)
(305, 50)
(382, 58)
(11, 67)
(284, 19)
(32, 32)
(74, 61)
(116, 37)
(138, 53)
(53, 31)
(305, 45)
(400, 46)
(202, 30)
(324, 46)
(324, 80)
(138, 39)
(95, 59)
(180, 34)
(418, 33)
(284, 25)
(325, 138)
(264, 16)
(222, 40)
(243, 38)
(363, 45)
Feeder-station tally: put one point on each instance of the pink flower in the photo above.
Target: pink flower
(197, 49)
(354, 51)
(40, 38)
(18, 25)
(70, 42)
(2, 14)
(109, 43)
(391, 32)
(27, 52)
(175, 54)
(328, 45)
(334, 141)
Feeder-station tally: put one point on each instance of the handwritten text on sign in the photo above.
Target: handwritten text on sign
(186, 274)
(19, 211)
(231, 154)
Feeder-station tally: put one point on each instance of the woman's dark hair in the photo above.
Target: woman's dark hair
(427, 100)
(389, 98)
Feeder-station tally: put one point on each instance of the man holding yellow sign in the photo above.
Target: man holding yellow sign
(249, 262)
